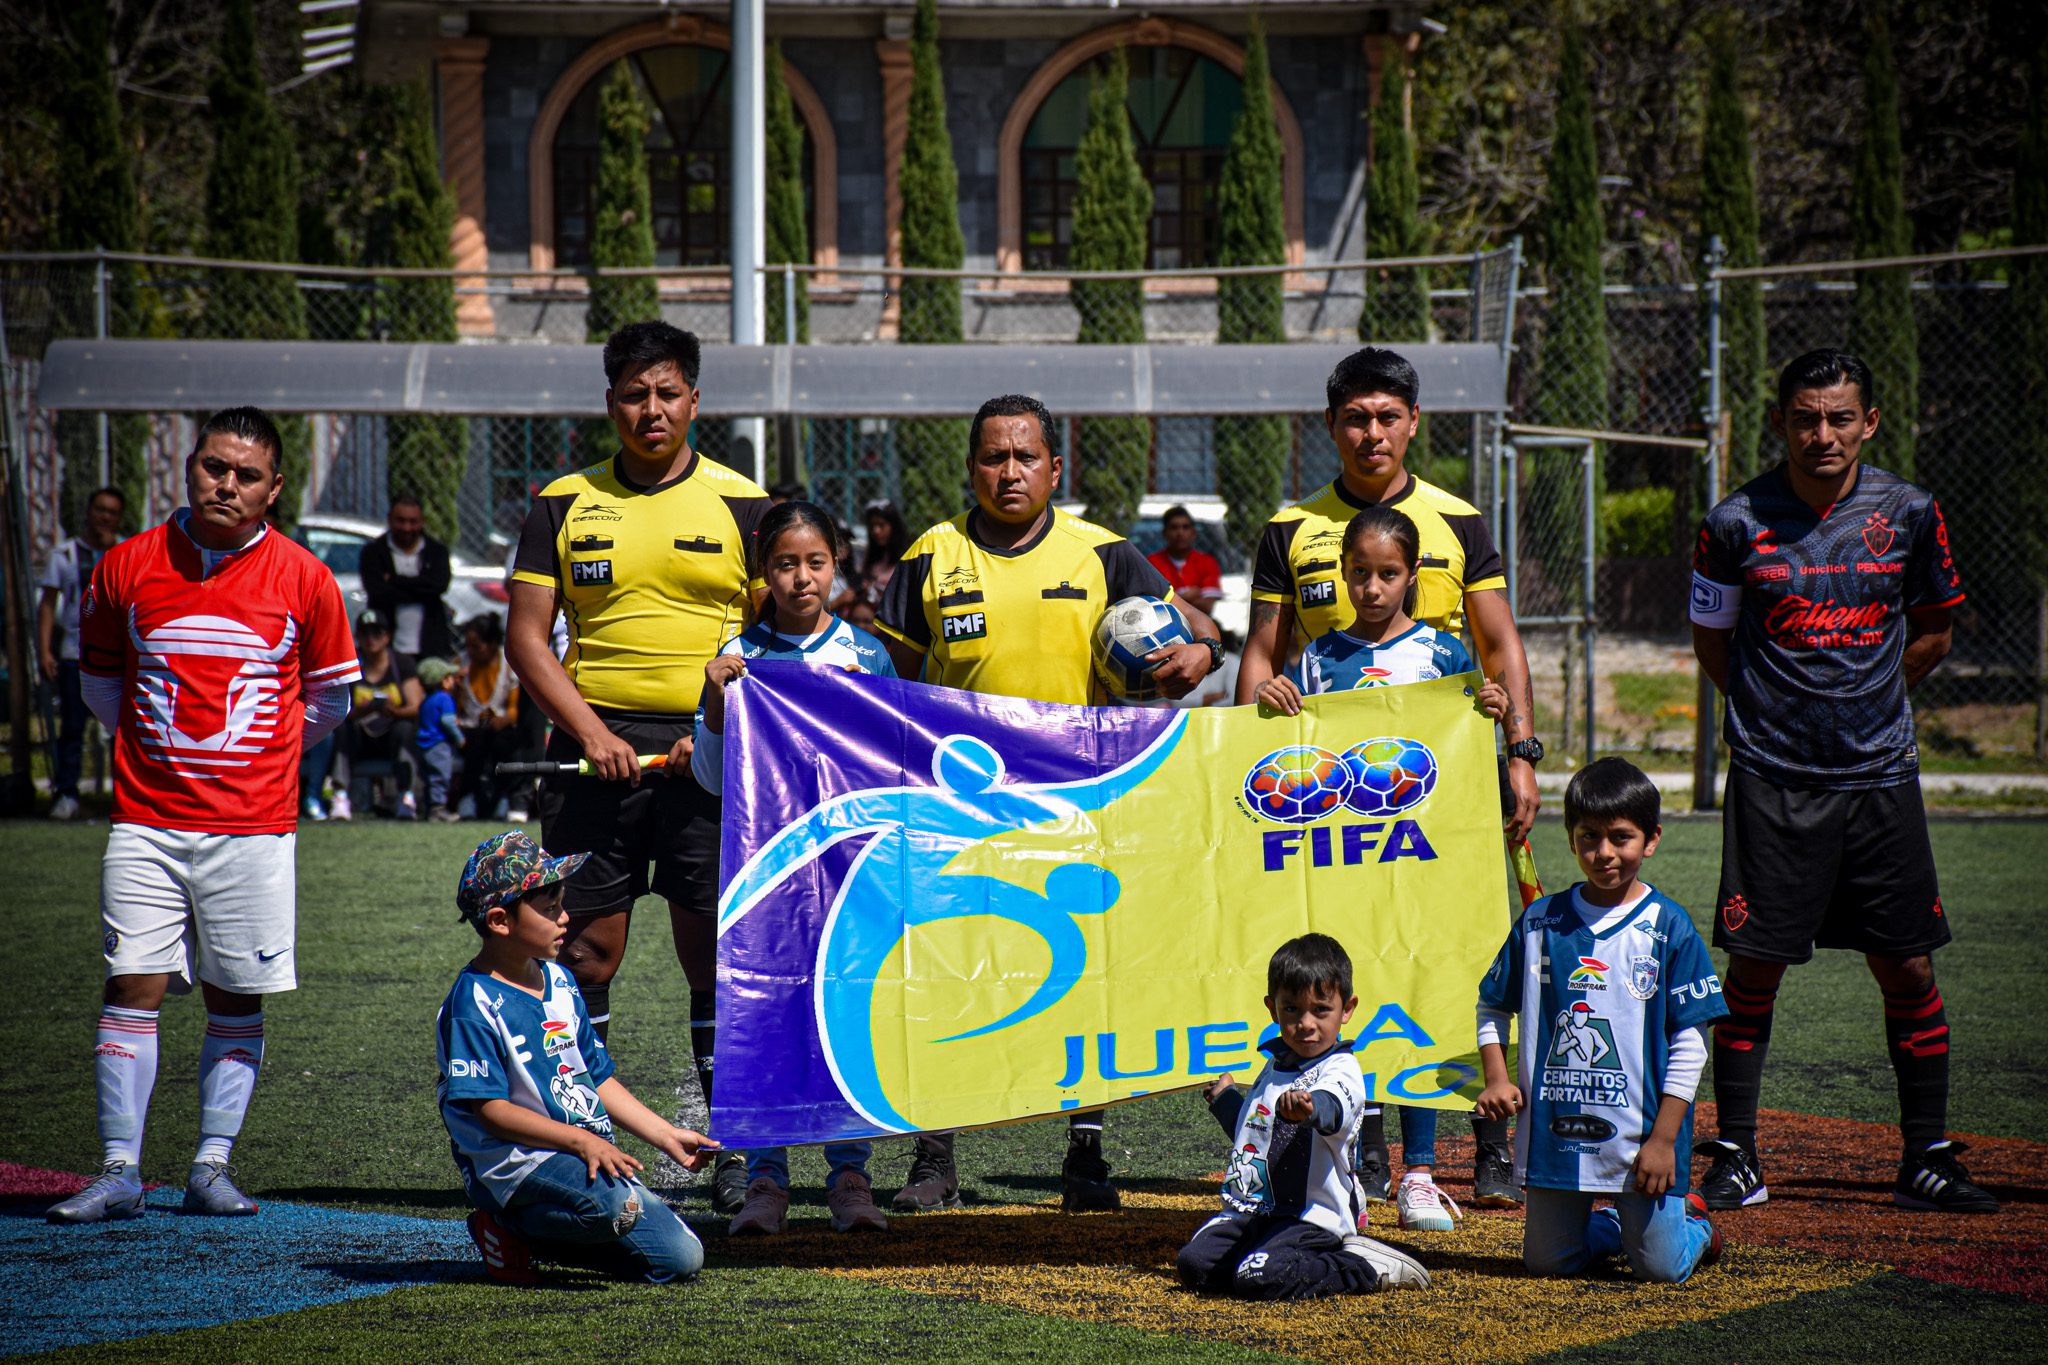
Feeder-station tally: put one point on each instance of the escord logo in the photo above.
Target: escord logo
(1735, 912)
(1878, 534)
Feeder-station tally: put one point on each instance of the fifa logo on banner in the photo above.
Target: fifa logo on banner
(1303, 783)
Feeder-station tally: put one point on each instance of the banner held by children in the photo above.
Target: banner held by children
(945, 910)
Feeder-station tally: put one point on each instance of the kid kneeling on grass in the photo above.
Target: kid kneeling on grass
(529, 1098)
(1290, 1200)
(1611, 990)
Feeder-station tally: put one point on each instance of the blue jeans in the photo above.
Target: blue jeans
(1562, 1232)
(773, 1162)
(617, 1226)
(71, 718)
(1418, 1135)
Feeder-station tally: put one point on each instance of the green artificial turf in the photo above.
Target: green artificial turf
(345, 1116)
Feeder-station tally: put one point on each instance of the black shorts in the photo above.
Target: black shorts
(1804, 869)
(668, 822)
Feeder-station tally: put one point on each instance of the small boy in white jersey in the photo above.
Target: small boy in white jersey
(529, 1098)
(1611, 990)
(1290, 1202)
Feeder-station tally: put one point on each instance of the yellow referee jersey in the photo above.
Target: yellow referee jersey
(1298, 559)
(652, 579)
(1013, 623)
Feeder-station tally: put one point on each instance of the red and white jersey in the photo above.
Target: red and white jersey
(214, 670)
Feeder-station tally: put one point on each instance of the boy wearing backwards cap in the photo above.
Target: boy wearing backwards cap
(529, 1098)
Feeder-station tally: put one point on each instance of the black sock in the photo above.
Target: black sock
(1489, 1132)
(1372, 1130)
(1741, 1040)
(597, 1003)
(1085, 1124)
(1916, 1035)
(703, 1038)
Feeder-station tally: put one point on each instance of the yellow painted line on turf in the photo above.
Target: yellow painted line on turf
(1482, 1307)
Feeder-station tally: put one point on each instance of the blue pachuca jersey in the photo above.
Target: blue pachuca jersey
(496, 1042)
(1339, 662)
(1595, 1012)
(841, 645)
(1818, 600)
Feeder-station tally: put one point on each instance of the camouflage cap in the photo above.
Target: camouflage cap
(504, 868)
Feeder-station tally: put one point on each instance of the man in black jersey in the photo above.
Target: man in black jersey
(1822, 591)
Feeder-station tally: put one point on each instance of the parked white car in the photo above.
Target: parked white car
(338, 542)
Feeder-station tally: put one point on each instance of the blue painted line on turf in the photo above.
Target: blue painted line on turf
(166, 1272)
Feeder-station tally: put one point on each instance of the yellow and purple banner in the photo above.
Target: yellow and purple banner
(942, 909)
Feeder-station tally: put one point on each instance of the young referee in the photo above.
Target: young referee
(647, 556)
(1004, 599)
(1821, 593)
(1298, 595)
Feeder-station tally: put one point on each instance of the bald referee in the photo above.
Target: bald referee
(1004, 599)
(647, 556)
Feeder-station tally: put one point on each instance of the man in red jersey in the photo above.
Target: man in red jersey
(1193, 575)
(212, 648)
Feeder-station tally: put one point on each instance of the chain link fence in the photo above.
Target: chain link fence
(1979, 710)
(1231, 468)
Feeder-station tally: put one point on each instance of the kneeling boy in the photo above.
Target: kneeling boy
(1290, 1202)
(1612, 989)
(529, 1097)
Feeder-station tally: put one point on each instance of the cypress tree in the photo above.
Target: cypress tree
(623, 229)
(788, 238)
(1572, 383)
(1573, 392)
(252, 197)
(1251, 452)
(929, 450)
(410, 230)
(1728, 211)
(1112, 229)
(1396, 301)
(1882, 329)
(98, 210)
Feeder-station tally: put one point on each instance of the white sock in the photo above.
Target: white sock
(124, 1065)
(227, 1077)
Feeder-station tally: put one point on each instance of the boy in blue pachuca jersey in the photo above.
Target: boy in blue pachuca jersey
(1290, 1201)
(529, 1098)
(1611, 990)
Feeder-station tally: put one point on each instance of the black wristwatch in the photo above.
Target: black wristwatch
(1530, 749)
(1215, 654)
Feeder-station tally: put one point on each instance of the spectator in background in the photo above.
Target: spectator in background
(1195, 576)
(69, 570)
(405, 575)
(888, 538)
(384, 707)
(487, 706)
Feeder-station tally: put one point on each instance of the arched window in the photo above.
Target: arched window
(1182, 106)
(688, 93)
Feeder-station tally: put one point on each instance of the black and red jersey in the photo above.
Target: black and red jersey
(1818, 599)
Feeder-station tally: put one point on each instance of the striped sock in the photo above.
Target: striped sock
(597, 1002)
(228, 1063)
(1741, 1040)
(703, 1038)
(124, 1066)
(1916, 1035)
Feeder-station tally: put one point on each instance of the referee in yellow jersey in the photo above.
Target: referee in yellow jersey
(1004, 599)
(647, 556)
(1298, 594)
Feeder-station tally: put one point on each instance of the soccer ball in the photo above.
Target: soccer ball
(1127, 632)
(1297, 784)
(1388, 775)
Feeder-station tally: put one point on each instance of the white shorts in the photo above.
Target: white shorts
(227, 903)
